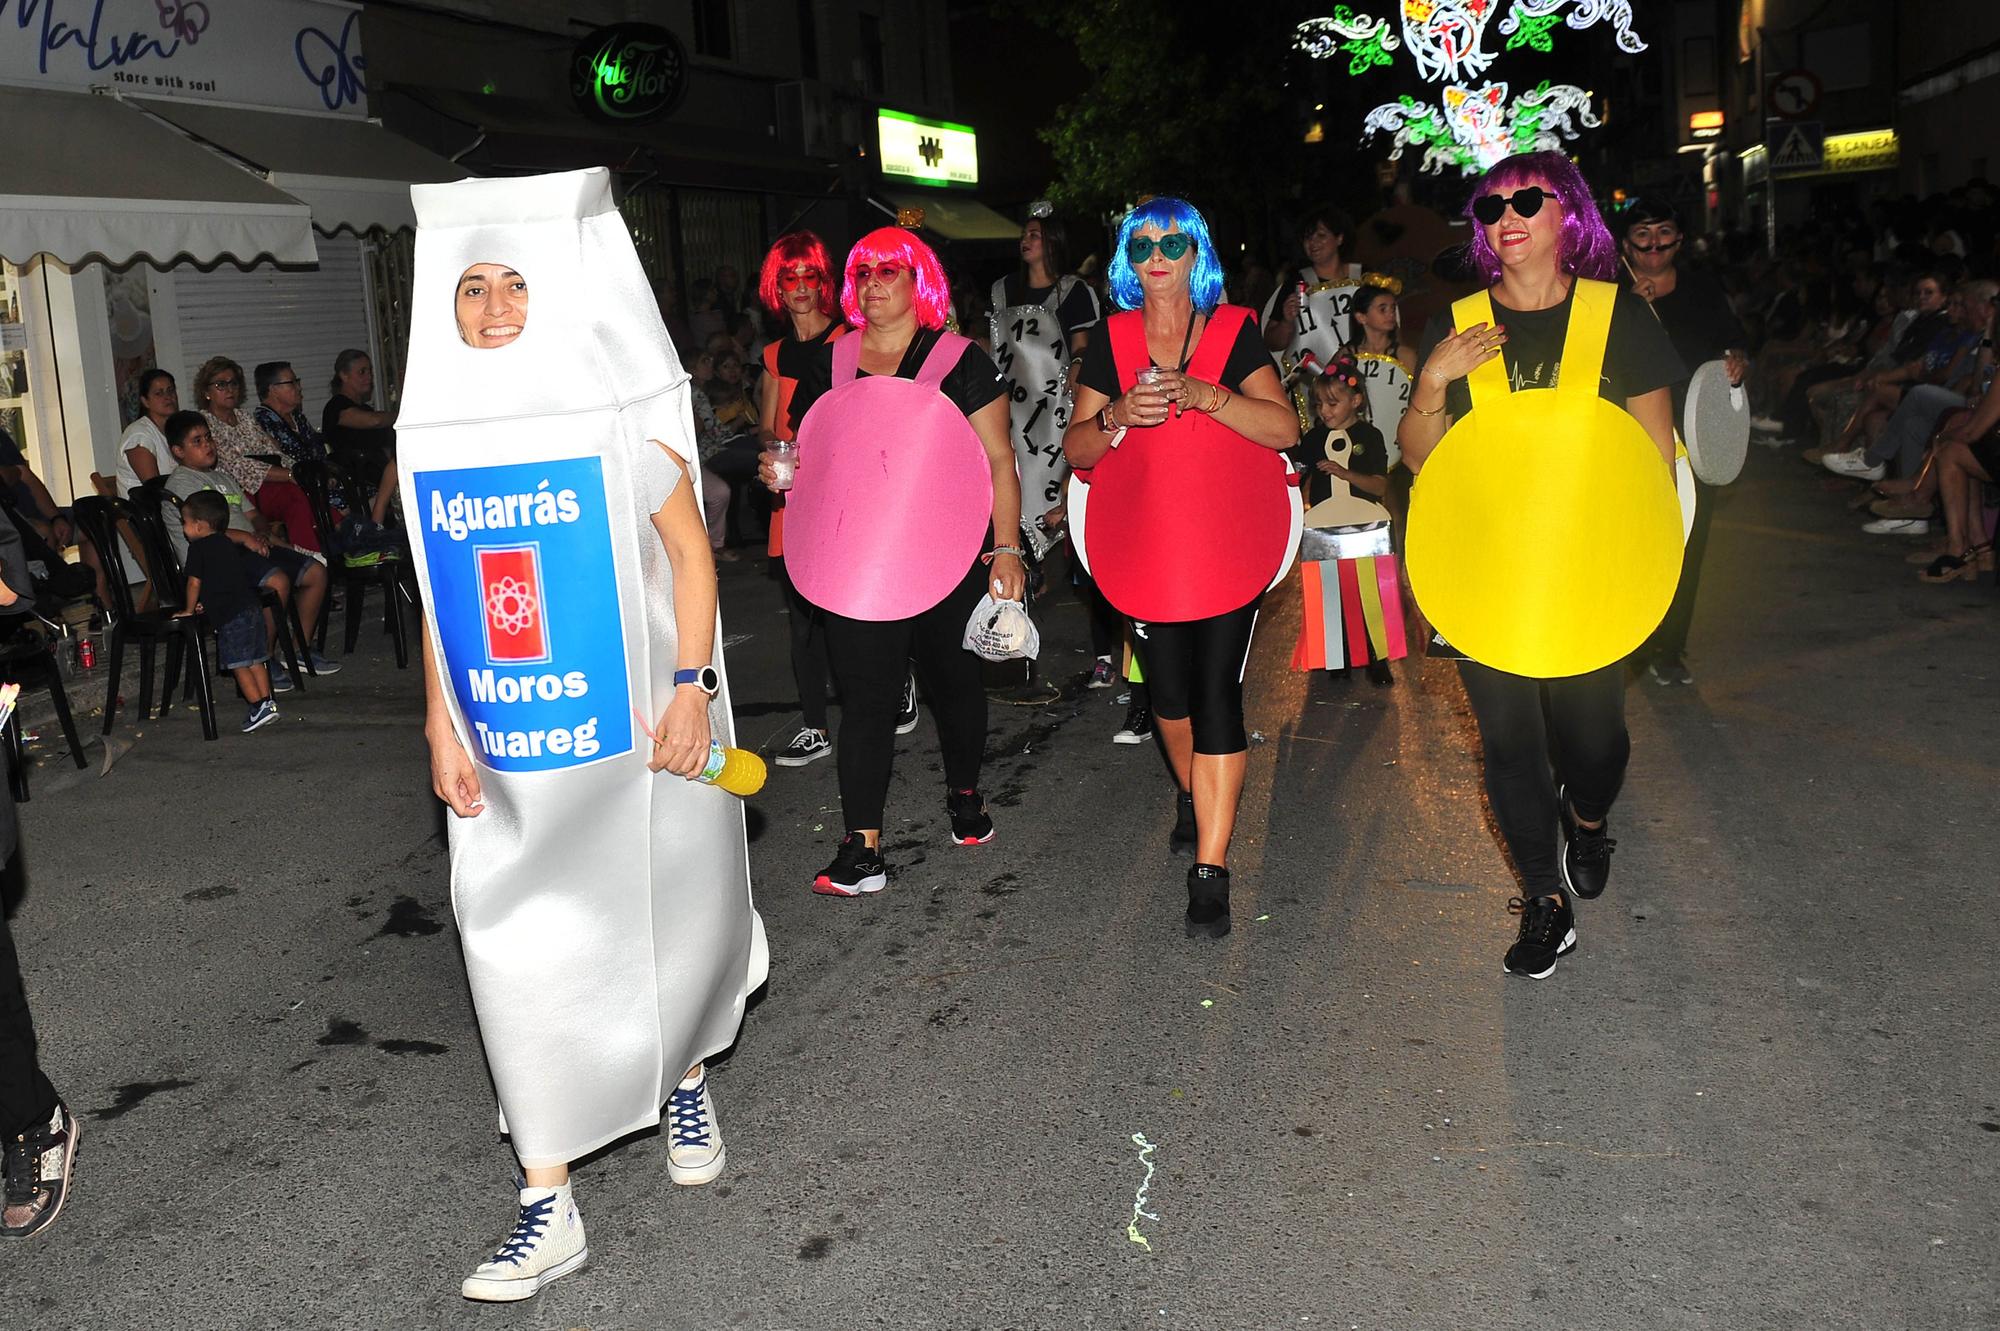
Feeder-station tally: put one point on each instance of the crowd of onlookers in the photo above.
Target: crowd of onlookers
(1873, 337)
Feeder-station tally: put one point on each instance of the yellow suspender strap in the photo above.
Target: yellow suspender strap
(1488, 383)
(1588, 334)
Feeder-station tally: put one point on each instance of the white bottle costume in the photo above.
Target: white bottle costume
(605, 911)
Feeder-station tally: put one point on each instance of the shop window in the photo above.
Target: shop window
(17, 417)
(714, 29)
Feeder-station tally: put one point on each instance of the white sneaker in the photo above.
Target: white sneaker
(1767, 425)
(1855, 464)
(547, 1244)
(1898, 527)
(694, 1138)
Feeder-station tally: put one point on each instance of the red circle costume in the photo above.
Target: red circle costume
(1186, 519)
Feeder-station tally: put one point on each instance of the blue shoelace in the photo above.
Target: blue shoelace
(686, 1120)
(528, 1227)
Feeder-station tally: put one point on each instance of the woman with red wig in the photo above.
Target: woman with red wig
(905, 477)
(1549, 316)
(797, 284)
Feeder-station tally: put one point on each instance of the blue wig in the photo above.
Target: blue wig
(1164, 213)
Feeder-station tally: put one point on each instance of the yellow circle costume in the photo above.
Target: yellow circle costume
(1545, 533)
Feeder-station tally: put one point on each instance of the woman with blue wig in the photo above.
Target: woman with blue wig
(1185, 511)
(1545, 536)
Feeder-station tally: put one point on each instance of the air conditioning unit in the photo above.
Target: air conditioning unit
(805, 120)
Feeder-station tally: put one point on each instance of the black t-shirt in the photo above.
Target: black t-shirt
(380, 440)
(1246, 356)
(1077, 312)
(1638, 356)
(970, 384)
(1698, 319)
(1366, 456)
(225, 579)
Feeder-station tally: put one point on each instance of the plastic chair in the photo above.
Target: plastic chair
(30, 661)
(98, 519)
(321, 481)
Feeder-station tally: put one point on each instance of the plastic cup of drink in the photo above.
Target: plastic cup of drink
(784, 462)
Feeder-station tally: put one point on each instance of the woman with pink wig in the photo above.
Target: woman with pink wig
(905, 480)
(797, 284)
(1547, 258)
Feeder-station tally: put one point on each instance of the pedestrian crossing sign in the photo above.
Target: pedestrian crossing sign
(1798, 147)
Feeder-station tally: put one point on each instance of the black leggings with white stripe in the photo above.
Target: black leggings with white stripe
(1194, 670)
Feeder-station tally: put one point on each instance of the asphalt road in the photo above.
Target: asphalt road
(1764, 1092)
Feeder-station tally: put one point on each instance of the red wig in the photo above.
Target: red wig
(893, 244)
(789, 251)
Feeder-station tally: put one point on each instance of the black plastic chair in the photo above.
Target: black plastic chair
(321, 481)
(29, 659)
(149, 504)
(98, 519)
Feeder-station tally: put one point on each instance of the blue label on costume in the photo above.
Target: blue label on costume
(526, 598)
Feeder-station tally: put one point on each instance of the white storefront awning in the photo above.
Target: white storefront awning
(955, 216)
(87, 175)
(352, 173)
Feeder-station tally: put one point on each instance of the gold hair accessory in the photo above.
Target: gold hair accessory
(1392, 285)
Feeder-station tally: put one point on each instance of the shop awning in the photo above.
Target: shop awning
(88, 175)
(352, 173)
(953, 216)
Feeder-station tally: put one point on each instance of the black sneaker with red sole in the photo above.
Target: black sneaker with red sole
(970, 824)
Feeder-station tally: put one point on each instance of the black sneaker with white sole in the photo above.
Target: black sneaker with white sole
(970, 823)
(1548, 930)
(906, 714)
(857, 868)
(1586, 857)
(1138, 727)
(808, 745)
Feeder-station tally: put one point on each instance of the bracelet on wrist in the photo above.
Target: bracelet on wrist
(1438, 410)
(1013, 550)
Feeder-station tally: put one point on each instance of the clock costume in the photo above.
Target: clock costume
(1030, 339)
(605, 911)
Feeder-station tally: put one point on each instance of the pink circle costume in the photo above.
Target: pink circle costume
(894, 492)
(1187, 519)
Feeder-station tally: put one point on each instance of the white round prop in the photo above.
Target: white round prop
(1716, 425)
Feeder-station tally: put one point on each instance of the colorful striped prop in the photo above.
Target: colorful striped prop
(1353, 613)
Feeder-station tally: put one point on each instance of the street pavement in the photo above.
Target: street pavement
(1008, 1093)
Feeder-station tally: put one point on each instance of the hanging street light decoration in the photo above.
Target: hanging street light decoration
(1469, 127)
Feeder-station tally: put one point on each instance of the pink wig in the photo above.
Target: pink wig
(1587, 247)
(893, 244)
(789, 251)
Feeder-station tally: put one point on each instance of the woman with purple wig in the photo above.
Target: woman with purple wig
(1539, 241)
(898, 550)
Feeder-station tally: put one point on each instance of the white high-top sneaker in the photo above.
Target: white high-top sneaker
(547, 1244)
(694, 1138)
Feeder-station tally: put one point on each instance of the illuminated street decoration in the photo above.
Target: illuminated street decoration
(1470, 127)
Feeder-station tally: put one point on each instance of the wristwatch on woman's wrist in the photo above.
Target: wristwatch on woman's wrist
(703, 678)
(1104, 421)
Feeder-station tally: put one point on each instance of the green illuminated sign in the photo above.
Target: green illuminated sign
(627, 73)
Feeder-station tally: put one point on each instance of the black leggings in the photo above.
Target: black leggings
(1580, 722)
(26, 1098)
(871, 660)
(1194, 669)
(808, 626)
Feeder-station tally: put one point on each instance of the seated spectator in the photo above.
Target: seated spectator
(709, 440)
(221, 588)
(706, 317)
(281, 413)
(360, 438)
(218, 392)
(1832, 403)
(1949, 362)
(735, 460)
(297, 578)
(46, 532)
(1910, 425)
(142, 453)
(1968, 459)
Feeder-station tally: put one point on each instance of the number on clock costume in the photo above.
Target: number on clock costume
(605, 912)
(1545, 533)
(893, 494)
(1388, 387)
(1185, 519)
(1033, 354)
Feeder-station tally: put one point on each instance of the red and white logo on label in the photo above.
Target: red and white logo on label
(514, 611)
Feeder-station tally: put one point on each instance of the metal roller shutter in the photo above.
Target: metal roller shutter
(304, 315)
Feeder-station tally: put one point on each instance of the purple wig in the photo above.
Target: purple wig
(1587, 247)
(893, 244)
